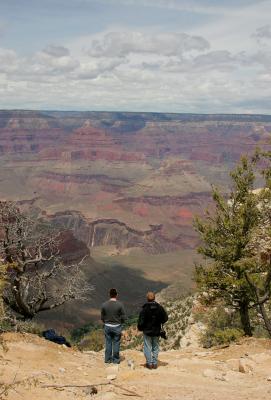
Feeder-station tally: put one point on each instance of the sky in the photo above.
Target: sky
(194, 56)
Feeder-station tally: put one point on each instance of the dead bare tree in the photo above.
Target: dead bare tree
(38, 277)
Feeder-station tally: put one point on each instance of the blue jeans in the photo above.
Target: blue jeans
(112, 343)
(151, 349)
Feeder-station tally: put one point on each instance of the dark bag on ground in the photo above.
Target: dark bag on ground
(51, 335)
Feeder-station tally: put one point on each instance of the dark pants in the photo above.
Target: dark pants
(112, 343)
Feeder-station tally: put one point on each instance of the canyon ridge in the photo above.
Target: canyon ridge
(124, 187)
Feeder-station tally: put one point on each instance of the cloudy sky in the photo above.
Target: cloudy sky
(204, 56)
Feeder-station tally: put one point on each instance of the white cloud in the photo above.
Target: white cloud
(44, 62)
(214, 58)
(121, 44)
(232, 30)
(263, 58)
(196, 6)
(96, 67)
(217, 67)
(8, 60)
(56, 51)
(151, 77)
(264, 32)
(262, 35)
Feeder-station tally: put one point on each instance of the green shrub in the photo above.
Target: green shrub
(221, 336)
(134, 342)
(77, 334)
(222, 327)
(94, 341)
(130, 321)
(29, 327)
(5, 325)
(260, 331)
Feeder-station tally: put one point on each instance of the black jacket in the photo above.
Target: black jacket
(151, 317)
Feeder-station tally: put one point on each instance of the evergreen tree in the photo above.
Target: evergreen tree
(237, 269)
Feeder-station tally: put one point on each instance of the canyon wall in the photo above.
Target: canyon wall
(126, 185)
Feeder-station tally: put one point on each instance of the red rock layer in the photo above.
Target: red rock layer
(90, 143)
(19, 141)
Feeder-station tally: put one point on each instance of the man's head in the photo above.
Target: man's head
(150, 296)
(113, 293)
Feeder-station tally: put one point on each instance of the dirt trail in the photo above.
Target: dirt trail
(28, 363)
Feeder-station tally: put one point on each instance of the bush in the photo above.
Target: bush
(94, 341)
(9, 325)
(221, 336)
(131, 321)
(77, 334)
(222, 327)
(29, 327)
(5, 325)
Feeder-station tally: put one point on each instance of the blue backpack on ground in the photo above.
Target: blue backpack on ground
(51, 335)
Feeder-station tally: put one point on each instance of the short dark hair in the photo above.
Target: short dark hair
(113, 292)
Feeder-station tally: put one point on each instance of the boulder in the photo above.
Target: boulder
(245, 366)
(111, 377)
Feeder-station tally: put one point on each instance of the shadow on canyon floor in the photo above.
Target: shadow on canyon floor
(132, 287)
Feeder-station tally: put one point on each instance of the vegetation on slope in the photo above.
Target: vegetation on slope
(236, 242)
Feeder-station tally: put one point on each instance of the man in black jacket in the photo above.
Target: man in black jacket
(150, 319)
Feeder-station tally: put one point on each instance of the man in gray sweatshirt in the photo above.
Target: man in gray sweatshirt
(113, 316)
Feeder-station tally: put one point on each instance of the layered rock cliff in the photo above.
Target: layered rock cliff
(126, 184)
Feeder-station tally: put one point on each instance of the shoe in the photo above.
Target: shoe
(149, 366)
(154, 366)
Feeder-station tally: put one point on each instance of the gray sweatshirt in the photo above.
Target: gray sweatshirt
(112, 312)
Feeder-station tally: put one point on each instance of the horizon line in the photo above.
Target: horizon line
(129, 112)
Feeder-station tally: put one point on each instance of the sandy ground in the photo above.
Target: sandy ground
(30, 364)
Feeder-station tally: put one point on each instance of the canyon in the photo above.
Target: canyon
(125, 188)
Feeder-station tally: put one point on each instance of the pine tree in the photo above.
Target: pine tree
(236, 271)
